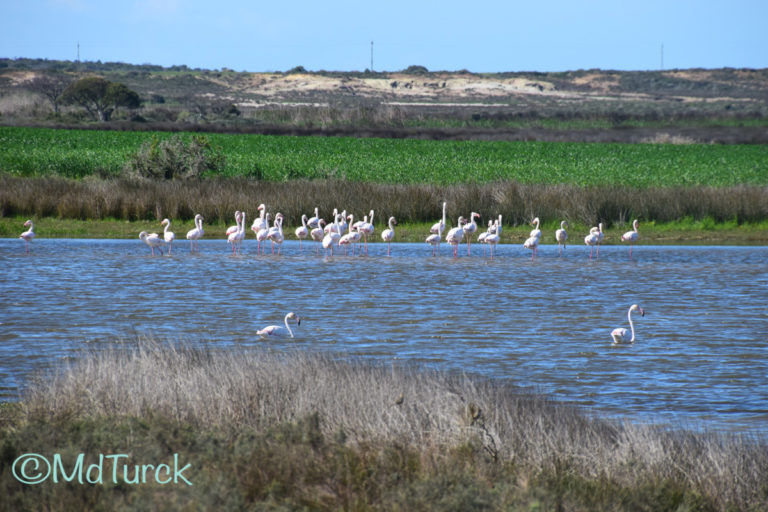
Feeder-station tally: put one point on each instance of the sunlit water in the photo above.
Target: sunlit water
(700, 359)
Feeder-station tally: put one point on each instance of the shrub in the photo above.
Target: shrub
(175, 158)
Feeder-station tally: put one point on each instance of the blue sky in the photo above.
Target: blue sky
(480, 36)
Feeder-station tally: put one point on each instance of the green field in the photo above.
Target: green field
(80, 153)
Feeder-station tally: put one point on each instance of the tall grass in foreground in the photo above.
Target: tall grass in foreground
(217, 199)
(425, 419)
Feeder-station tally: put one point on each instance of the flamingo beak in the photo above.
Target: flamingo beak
(642, 312)
(298, 320)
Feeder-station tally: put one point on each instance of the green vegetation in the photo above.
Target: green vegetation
(292, 430)
(76, 154)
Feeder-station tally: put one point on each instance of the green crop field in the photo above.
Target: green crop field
(79, 153)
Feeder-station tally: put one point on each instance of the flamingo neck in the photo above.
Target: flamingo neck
(289, 327)
(631, 326)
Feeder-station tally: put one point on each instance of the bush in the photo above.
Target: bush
(175, 158)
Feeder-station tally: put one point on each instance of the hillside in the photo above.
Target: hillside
(696, 105)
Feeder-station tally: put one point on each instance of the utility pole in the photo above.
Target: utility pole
(371, 56)
(662, 56)
(78, 51)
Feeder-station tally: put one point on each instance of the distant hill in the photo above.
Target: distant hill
(692, 105)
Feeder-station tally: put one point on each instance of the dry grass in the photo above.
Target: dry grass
(426, 410)
(217, 199)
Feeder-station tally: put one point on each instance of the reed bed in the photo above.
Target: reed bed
(217, 199)
(428, 411)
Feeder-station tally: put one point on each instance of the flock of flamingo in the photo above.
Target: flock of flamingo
(333, 234)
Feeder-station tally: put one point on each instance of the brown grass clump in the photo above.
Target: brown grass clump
(423, 411)
(217, 199)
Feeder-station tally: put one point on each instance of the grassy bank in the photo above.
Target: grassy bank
(291, 430)
(687, 231)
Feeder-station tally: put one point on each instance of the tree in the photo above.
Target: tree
(52, 87)
(100, 97)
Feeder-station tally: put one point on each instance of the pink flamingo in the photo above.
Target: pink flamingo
(389, 234)
(533, 239)
(275, 234)
(152, 240)
(593, 239)
(169, 236)
(619, 334)
(279, 331)
(332, 236)
(29, 234)
(314, 221)
(351, 238)
(436, 233)
(233, 229)
(193, 235)
(493, 237)
(470, 228)
(631, 236)
(317, 235)
(237, 237)
(261, 236)
(455, 235)
(561, 235)
(302, 231)
(259, 222)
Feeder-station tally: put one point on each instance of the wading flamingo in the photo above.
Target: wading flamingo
(351, 238)
(237, 237)
(619, 334)
(455, 235)
(193, 235)
(389, 234)
(302, 231)
(561, 235)
(276, 235)
(314, 221)
(278, 331)
(436, 233)
(29, 234)
(494, 236)
(470, 228)
(332, 237)
(367, 229)
(169, 236)
(532, 242)
(631, 236)
(261, 236)
(317, 235)
(152, 240)
(259, 222)
(592, 239)
(233, 229)
(600, 236)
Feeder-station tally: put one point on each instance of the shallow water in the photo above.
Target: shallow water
(700, 359)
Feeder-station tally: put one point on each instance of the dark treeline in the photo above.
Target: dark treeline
(217, 199)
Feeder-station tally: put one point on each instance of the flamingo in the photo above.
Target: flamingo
(303, 231)
(314, 222)
(29, 234)
(631, 236)
(237, 237)
(367, 229)
(332, 237)
(389, 234)
(493, 237)
(455, 236)
(482, 236)
(332, 226)
(533, 239)
(193, 235)
(470, 228)
(261, 236)
(561, 235)
(259, 222)
(152, 240)
(350, 238)
(437, 229)
(317, 235)
(434, 241)
(233, 229)
(593, 239)
(169, 236)
(275, 234)
(619, 334)
(279, 331)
